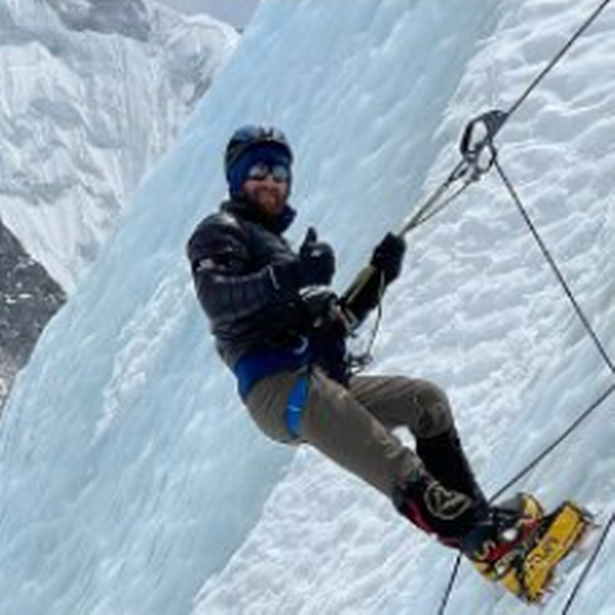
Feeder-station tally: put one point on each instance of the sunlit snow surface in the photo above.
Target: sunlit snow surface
(86, 112)
(133, 482)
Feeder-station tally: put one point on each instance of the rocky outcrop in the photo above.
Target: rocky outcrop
(28, 299)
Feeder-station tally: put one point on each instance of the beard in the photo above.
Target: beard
(270, 201)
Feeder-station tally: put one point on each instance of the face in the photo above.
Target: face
(267, 189)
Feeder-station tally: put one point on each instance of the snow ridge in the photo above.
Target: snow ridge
(93, 94)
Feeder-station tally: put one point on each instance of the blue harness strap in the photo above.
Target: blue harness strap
(258, 365)
(296, 403)
(255, 366)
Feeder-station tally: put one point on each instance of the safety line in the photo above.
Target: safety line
(463, 169)
(586, 413)
(449, 588)
(514, 107)
(560, 276)
(523, 472)
(588, 566)
(555, 444)
(558, 56)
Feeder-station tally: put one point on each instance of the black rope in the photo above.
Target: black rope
(588, 566)
(555, 444)
(488, 141)
(469, 168)
(558, 56)
(523, 472)
(451, 583)
(562, 280)
(586, 413)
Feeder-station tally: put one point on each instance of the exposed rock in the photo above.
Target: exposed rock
(28, 299)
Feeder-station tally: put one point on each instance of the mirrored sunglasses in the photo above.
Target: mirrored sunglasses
(261, 170)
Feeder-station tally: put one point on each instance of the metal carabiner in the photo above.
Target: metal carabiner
(477, 147)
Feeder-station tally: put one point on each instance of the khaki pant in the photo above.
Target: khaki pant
(353, 426)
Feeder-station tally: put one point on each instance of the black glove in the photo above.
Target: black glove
(314, 266)
(320, 306)
(316, 261)
(388, 256)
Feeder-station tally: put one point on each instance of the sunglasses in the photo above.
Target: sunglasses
(261, 170)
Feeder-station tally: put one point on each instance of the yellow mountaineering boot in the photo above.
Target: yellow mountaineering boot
(521, 545)
(509, 527)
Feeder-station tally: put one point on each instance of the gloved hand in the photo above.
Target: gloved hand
(316, 261)
(314, 266)
(320, 306)
(388, 256)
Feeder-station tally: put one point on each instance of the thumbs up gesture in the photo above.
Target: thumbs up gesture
(316, 261)
(313, 266)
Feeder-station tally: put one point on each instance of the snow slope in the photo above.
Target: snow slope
(132, 481)
(92, 95)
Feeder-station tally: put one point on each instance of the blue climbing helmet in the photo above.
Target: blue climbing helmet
(250, 144)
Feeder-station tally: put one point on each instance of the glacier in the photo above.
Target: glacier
(93, 93)
(132, 481)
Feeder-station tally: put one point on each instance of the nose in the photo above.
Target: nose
(269, 181)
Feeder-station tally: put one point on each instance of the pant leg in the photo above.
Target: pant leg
(398, 401)
(350, 433)
(425, 410)
(336, 424)
(267, 403)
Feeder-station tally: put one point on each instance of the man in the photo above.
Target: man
(281, 330)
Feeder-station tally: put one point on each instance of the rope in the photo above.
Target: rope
(545, 251)
(602, 350)
(558, 56)
(471, 168)
(451, 583)
(468, 169)
(522, 473)
(555, 444)
(588, 566)
(501, 119)
(359, 362)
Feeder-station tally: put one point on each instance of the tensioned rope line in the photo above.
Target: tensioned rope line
(521, 474)
(487, 142)
(556, 270)
(558, 56)
(555, 444)
(473, 164)
(469, 170)
(589, 565)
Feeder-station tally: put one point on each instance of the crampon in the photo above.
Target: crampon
(527, 568)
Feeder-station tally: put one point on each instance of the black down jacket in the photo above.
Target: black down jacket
(230, 252)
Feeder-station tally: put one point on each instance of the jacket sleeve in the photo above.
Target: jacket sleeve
(226, 287)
